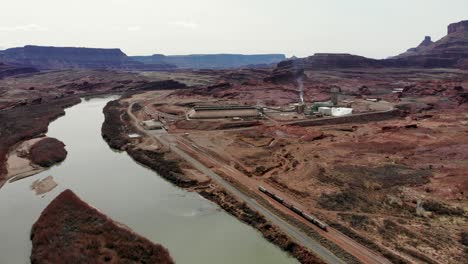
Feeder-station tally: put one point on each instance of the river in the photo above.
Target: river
(193, 229)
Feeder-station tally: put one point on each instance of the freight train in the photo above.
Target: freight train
(293, 208)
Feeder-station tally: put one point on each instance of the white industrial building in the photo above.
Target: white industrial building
(335, 111)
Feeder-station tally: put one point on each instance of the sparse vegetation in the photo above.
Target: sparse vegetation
(69, 230)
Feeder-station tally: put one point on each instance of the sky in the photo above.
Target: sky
(371, 28)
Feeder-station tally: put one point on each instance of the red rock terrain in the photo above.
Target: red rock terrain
(396, 185)
(71, 231)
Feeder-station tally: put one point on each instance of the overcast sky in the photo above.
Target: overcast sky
(373, 28)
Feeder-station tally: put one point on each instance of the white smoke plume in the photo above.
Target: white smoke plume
(300, 85)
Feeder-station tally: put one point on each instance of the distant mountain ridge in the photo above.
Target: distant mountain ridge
(45, 58)
(72, 57)
(212, 61)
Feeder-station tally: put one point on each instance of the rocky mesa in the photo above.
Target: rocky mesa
(71, 57)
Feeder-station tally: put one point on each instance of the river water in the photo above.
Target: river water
(191, 227)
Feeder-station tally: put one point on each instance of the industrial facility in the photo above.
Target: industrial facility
(228, 111)
(299, 110)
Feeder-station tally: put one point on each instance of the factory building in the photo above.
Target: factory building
(315, 106)
(220, 112)
(152, 124)
(335, 111)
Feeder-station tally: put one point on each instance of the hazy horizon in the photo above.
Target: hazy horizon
(375, 29)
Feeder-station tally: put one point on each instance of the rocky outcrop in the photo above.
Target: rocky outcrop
(47, 152)
(71, 231)
(325, 61)
(461, 26)
(449, 52)
(213, 61)
(425, 44)
(70, 57)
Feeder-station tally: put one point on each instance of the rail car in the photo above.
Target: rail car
(296, 210)
(308, 217)
(315, 221)
(287, 205)
(277, 198)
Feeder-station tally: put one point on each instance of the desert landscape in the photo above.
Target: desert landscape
(330, 158)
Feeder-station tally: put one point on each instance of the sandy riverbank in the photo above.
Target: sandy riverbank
(19, 165)
(24, 158)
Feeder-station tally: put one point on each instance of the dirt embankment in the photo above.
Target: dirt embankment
(115, 130)
(27, 122)
(71, 231)
(33, 156)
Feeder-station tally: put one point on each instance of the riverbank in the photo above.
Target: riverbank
(115, 130)
(24, 123)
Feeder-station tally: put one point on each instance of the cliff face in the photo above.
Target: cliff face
(66, 57)
(427, 43)
(461, 26)
(213, 61)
